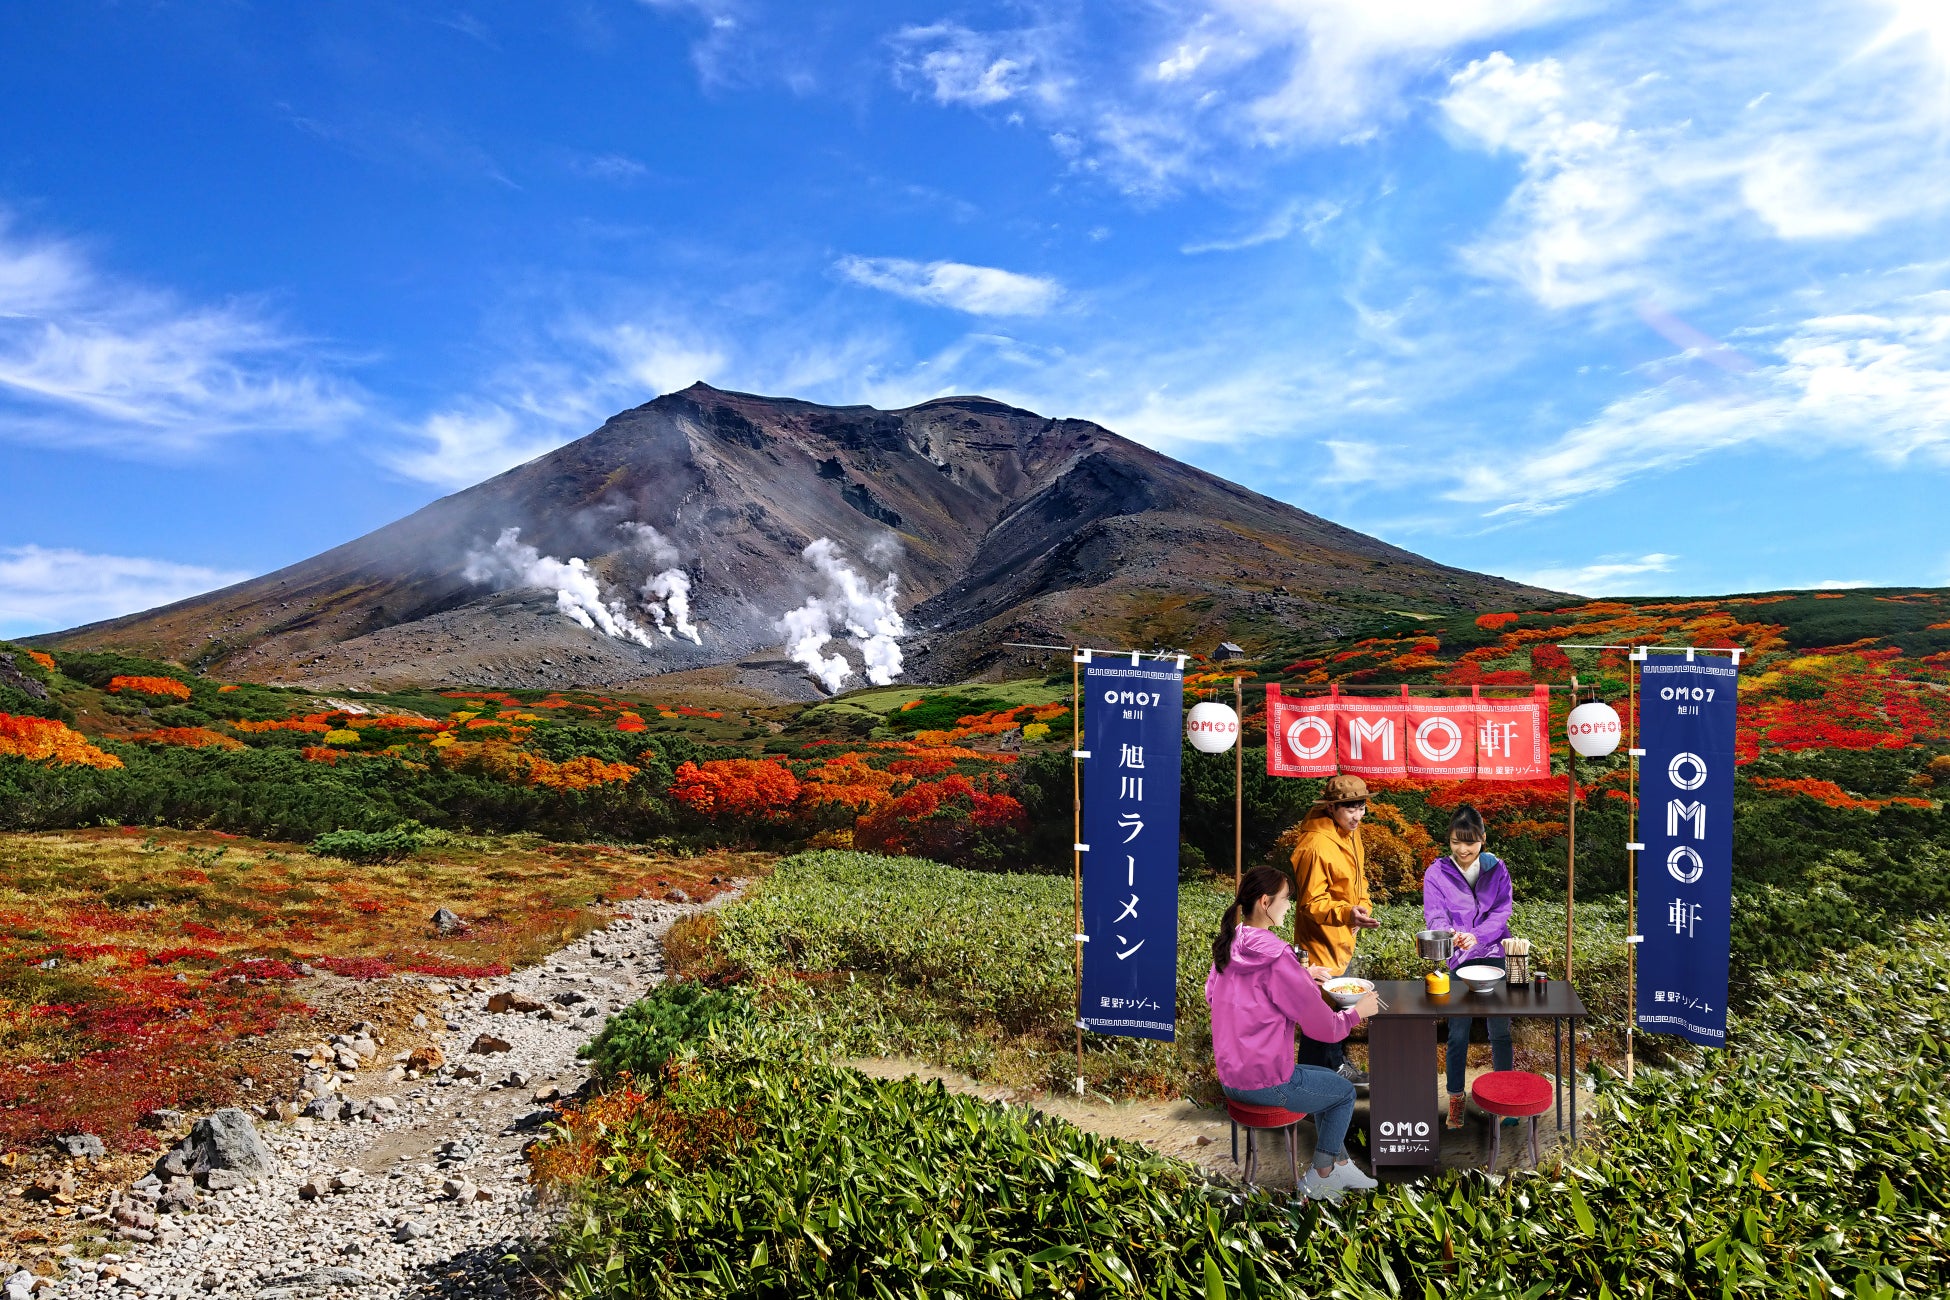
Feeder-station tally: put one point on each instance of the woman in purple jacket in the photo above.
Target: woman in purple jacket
(1258, 992)
(1469, 892)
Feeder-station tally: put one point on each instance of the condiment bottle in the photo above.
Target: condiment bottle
(1540, 984)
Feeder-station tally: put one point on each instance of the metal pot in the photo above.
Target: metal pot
(1434, 945)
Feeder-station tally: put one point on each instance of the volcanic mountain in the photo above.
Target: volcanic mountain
(996, 525)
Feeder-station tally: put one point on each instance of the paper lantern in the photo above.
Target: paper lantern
(1593, 729)
(1212, 728)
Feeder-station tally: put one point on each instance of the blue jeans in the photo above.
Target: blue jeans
(1322, 1094)
(1503, 1055)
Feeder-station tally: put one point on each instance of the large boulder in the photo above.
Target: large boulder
(225, 1141)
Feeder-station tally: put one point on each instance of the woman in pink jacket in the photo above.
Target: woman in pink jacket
(1258, 992)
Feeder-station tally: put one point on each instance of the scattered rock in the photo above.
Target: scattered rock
(314, 1188)
(548, 1092)
(514, 1079)
(21, 1285)
(569, 997)
(225, 1180)
(327, 1108)
(425, 1060)
(410, 1230)
(82, 1146)
(717, 880)
(346, 1059)
(165, 1120)
(447, 923)
(488, 1043)
(58, 1188)
(347, 1179)
(1205, 1139)
(419, 1020)
(460, 1189)
(465, 1071)
(511, 1001)
(676, 896)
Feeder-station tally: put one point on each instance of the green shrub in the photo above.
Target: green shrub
(389, 845)
(651, 1030)
(1809, 1161)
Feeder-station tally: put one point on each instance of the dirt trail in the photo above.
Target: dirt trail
(1174, 1128)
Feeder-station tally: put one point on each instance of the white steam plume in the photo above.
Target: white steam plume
(513, 563)
(846, 602)
(667, 594)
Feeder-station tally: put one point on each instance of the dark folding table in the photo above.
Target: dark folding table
(1403, 1125)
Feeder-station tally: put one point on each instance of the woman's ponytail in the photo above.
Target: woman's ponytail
(1222, 946)
(1260, 882)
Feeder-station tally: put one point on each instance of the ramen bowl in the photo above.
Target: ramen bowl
(1479, 978)
(1346, 991)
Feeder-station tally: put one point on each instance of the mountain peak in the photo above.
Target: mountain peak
(980, 522)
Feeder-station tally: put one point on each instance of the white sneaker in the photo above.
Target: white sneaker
(1320, 1187)
(1344, 1177)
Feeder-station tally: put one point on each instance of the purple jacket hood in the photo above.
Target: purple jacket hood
(1449, 903)
(1256, 1001)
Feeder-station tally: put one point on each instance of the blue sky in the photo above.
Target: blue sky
(1622, 298)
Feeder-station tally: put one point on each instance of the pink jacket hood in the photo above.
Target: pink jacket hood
(1256, 1001)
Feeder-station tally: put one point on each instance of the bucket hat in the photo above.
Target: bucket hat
(1339, 790)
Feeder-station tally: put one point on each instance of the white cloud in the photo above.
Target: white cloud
(578, 375)
(1309, 218)
(1609, 576)
(46, 589)
(613, 167)
(89, 361)
(1211, 80)
(955, 65)
(1875, 382)
(1840, 584)
(977, 290)
(1651, 166)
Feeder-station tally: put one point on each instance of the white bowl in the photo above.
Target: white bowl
(1345, 1000)
(1481, 979)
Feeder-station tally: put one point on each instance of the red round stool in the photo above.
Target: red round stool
(1511, 1092)
(1255, 1118)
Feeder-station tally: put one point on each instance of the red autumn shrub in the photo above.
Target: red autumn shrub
(949, 820)
(1495, 622)
(729, 788)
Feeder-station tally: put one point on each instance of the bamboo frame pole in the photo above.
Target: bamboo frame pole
(1632, 872)
(1239, 788)
(1076, 838)
(1571, 844)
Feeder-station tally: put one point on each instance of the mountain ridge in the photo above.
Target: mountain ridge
(1008, 525)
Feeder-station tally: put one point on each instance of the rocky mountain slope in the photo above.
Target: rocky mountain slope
(953, 527)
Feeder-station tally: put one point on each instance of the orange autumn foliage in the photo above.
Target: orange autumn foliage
(314, 722)
(167, 687)
(848, 781)
(1494, 622)
(44, 660)
(190, 737)
(45, 740)
(735, 787)
(503, 762)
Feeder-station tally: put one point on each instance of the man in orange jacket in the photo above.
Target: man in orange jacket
(1330, 865)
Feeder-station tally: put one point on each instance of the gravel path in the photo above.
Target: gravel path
(425, 1199)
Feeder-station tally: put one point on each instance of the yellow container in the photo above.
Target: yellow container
(1437, 981)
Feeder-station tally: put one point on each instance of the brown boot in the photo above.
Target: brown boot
(1456, 1100)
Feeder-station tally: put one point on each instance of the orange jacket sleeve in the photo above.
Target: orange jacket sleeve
(1317, 900)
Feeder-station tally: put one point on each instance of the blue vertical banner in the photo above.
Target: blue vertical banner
(1685, 873)
(1132, 716)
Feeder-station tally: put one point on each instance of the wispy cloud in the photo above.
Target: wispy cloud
(1874, 382)
(977, 290)
(87, 360)
(1211, 82)
(574, 376)
(1308, 218)
(1610, 576)
(953, 64)
(46, 589)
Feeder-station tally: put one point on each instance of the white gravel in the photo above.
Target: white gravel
(396, 1227)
